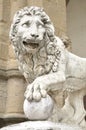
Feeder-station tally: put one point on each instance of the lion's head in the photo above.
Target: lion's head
(30, 25)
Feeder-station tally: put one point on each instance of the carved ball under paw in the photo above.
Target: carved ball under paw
(41, 110)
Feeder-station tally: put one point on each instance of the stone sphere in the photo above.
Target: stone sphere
(41, 110)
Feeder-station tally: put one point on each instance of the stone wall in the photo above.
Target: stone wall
(12, 83)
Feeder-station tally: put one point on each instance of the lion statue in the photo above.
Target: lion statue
(46, 63)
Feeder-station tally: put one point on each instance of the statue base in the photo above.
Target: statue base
(41, 125)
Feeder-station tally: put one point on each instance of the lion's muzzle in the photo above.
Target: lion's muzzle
(31, 44)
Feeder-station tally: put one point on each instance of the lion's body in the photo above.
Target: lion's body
(75, 72)
(44, 60)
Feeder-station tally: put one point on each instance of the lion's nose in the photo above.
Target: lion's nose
(35, 35)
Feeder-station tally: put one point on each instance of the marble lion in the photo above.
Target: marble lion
(45, 62)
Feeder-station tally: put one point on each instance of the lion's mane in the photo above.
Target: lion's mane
(22, 56)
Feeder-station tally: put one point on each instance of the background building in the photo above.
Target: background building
(76, 26)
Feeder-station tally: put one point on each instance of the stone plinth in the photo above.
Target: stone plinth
(41, 125)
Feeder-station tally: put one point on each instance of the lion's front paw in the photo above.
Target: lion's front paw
(35, 91)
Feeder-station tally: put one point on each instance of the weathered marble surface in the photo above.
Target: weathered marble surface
(47, 65)
(41, 125)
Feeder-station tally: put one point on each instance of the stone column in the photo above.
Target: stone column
(15, 97)
(35, 3)
(4, 11)
(15, 82)
(3, 94)
(3, 33)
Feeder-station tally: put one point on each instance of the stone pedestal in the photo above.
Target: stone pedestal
(41, 125)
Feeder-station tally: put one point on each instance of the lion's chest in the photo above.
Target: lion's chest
(41, 63)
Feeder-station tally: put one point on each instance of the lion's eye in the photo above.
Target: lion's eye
(40, 26)
(26, 24)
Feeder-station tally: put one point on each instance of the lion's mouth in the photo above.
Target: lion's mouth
(31, 45)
